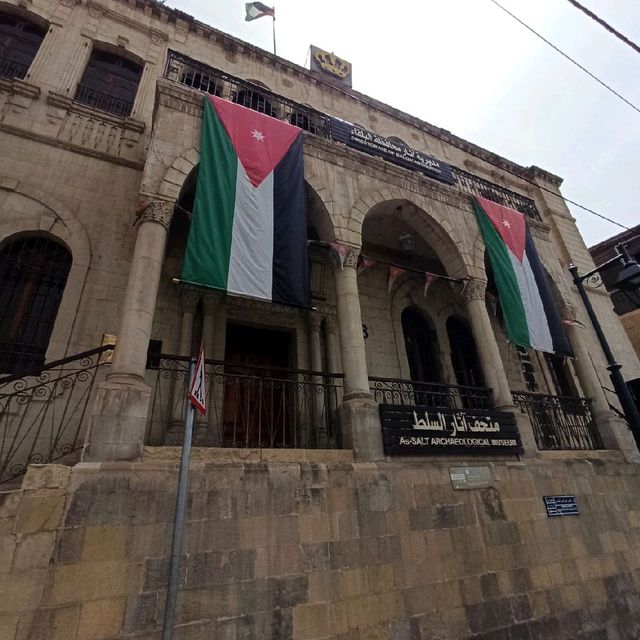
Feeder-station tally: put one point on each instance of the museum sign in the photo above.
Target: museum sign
(415, 429)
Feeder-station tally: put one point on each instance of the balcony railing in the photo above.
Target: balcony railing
(429, 394)
(103, 101)
(12, 68)
(559, 422)
(248, 406)
(197, 75)
(42, 412)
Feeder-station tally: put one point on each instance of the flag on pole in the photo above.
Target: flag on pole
(248, 233)
(530, 316)
(197, 395)
(257, 10)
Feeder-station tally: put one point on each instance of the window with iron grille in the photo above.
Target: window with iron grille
(528, 368)
(109, 83)
(33, 275)
(19, 43)
(254, 99)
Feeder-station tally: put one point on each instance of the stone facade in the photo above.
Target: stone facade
(313, 550)
(333, 542)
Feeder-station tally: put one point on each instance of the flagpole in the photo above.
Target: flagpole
(178, 520)
(273, 24)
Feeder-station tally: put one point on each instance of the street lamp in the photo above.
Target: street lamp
(629, 280)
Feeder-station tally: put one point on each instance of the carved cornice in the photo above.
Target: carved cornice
(157, 211)
(97, 10)
(473, 289)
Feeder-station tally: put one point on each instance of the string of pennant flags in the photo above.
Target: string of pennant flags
(395, 271)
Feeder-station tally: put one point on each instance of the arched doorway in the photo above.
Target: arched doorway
(464, 355)
(33, 275)
(421, 344)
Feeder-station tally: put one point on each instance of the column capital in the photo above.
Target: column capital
(160, 211)
(350, 259)
(189, 300)
(209, 303)
(315, 320)
(567, 312)
(330, 325)
(474, 289)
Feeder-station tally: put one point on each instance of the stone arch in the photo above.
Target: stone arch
(177, 173)
(39, 213)
(431, 221)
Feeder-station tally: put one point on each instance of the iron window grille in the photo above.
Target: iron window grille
(19, 43)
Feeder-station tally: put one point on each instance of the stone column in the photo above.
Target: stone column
(495, 377)
(613, 430)
(318, 430)
(333, 349)
(116, 425)
(360, 417)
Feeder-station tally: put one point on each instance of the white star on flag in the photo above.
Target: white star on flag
(257, 135)
(507, 224)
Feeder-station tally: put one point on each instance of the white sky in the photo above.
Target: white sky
(466, 66)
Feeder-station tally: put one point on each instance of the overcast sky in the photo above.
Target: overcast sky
(466, 66)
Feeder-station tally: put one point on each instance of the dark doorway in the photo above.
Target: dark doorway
(464, 356)
(421, 342)
(258, 390)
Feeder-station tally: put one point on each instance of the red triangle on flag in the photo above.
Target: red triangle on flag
(509, 224)
(259, 140)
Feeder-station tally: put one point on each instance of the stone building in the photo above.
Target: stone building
(301, 524)
(626, 304)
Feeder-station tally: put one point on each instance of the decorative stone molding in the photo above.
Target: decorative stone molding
(350, 259)
(567, 312)
(315, 322)
(473, 289)
(330, 325)
(209, 303)
(157, 211)
(189, 300)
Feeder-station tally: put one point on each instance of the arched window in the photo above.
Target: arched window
(421, 343)
(19, 43)
(109, 83)
(464, 356)
(33, 274)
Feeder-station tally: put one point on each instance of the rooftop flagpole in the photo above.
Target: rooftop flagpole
(273, 24)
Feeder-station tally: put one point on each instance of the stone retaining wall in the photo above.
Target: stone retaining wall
(323, 550)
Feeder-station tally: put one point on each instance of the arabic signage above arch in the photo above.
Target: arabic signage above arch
(415, 429)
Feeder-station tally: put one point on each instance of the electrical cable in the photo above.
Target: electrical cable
(596, 18)
(567, 56)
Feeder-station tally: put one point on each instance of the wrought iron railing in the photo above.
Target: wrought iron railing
(559, 422)
(248, 406)
(42, 412)
(429, 394)
(197, 75)
(200, 76)
(103, 101)
(474, 185)
(12, 68)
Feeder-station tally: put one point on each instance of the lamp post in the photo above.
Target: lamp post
(629, 279)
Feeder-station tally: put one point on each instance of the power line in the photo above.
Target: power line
(565, 55)
(606, 25)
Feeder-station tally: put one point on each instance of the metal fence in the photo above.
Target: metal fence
(12, 68)
(248, 406)
(103, 101)
(42, 412)
(559, 422)
(429, 394)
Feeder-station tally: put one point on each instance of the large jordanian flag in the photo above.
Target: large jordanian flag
(530, 316)
(248, 233)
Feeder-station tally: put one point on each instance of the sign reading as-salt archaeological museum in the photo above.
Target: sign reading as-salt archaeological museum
(409, 430)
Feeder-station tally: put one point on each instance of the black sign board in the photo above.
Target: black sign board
(402, 155)
(416, 429)
(561, 506)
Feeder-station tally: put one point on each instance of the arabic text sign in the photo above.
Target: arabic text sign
(561, 506)
(403, 155)
(420, 429)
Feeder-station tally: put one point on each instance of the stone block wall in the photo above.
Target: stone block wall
(314, 550)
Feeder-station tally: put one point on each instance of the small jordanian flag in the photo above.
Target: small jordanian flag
(248, 233)
(530, 316)
(257, 10)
